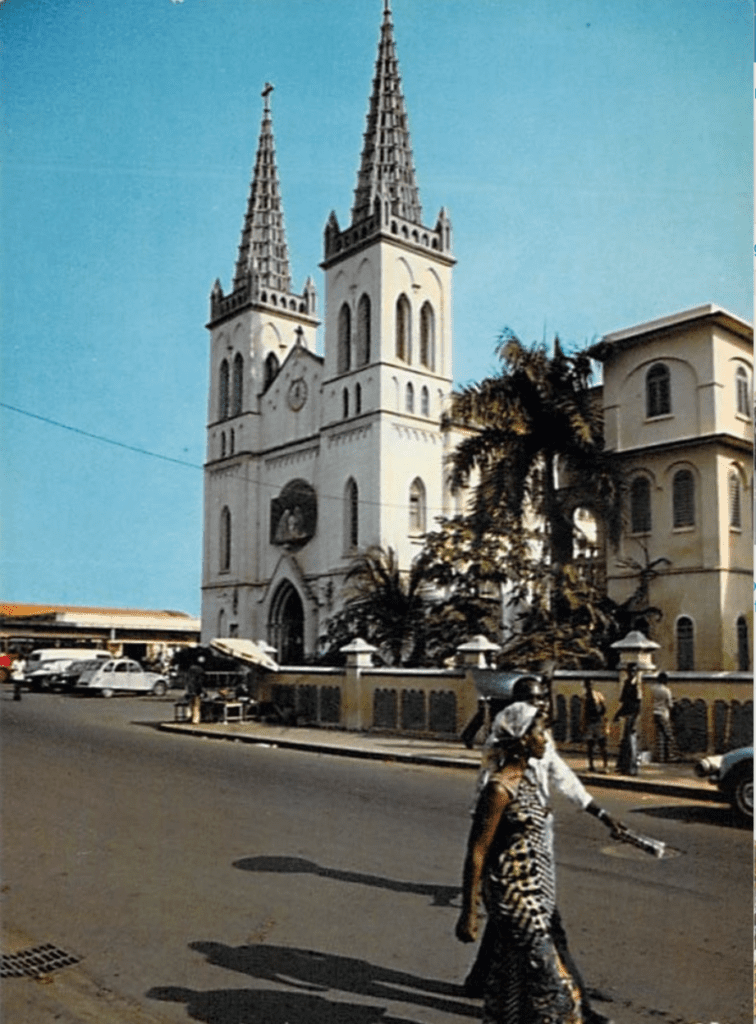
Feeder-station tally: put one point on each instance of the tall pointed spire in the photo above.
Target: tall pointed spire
(263, 252)
(387, 170)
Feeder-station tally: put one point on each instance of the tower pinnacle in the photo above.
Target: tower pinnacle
(263, 250)
(387, 168)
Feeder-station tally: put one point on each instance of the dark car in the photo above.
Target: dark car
(732, 774)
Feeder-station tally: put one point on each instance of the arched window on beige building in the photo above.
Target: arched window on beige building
(683, 499)
(685, 644)
(744, 646)
(743, 392)
(640, 505)
(409, 399)
(237, 391)
(658, 392)
(734, 500)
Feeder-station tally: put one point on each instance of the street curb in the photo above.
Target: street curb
(592, 780)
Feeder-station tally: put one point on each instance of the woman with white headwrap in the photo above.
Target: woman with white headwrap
(510, 855)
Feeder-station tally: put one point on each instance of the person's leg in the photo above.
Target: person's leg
(590, 745)
(590, 1016)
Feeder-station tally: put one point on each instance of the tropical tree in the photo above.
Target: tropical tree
(383, 606)
(538, 417)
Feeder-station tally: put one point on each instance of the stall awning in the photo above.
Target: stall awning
(243, 650)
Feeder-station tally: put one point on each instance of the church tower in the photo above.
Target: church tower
(253, 329)
(388, 336)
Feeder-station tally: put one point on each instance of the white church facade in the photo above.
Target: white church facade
(312, 458)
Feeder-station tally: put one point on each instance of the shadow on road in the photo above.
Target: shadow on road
(440, 895)
(243, 1006)
(312, 973)
(697, 814)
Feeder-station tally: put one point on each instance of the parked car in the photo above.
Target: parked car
(732, 774)
(45, 668)
(120, 675)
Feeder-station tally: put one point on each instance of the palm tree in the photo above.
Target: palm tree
(384, 606)
(535, 418)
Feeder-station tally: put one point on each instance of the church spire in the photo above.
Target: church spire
(387, 171)
(263, 252)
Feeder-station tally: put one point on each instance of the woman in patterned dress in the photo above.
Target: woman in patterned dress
(509, 855)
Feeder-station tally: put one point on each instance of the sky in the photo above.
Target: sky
(595, 159)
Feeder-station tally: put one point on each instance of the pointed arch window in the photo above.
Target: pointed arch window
(683, 499)
(417, 509)
(734, 502)
(272, 366)
(640, 505)
(344, 354)
(427, 337)
(424, 402)
(358, 399)
(409, 399)
(237, 390)
(658, 393)
(403, 337)
(744, 647)
(351, 515)
(742, 392)
(363, 331)
(345, 403)
(225, 539)
(223, 390)
(685, 642)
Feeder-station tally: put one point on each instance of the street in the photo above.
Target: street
(235, 884)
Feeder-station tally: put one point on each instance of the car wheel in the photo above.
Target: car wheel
(159, 689)
(741, 793)
(106, 692)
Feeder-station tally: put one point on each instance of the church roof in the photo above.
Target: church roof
(387, 167)
(263, 250)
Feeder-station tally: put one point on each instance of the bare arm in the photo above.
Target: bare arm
(491, 805)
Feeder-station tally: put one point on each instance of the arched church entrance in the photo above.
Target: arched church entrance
(286, 625)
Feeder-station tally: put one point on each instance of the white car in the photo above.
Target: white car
(120, 675)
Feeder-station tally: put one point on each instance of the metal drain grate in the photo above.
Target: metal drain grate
(30, 963)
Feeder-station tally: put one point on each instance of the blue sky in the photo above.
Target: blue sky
(595, 158)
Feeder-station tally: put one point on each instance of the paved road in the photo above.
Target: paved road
(232, 884)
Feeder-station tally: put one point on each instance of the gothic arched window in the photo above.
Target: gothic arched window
(223, 383)
(658, 395)
(225, 539)
(409, 401)
(363, 331)
(744, 648)
(742, 392)
(344, 354)
(357, 399)
(424, 402)
(351, 515)
(686, 661)
(417, 506)
(427, 337)
(237, 391)
(403, 336)
(640, 505)
(683, 499)
(272, 367)
(345, 403)
(734, 503)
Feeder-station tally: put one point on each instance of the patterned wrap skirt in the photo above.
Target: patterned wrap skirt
(527, 982)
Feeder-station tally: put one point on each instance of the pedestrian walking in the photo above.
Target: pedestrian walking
(666, 749)
(593, 725)
(529, 977)
(629, 709)
(18, 675)
(194, 691)
(545, 772)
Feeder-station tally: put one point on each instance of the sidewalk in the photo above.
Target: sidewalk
(675, 780)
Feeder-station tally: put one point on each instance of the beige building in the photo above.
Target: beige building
(678, 409)
(311, 458)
